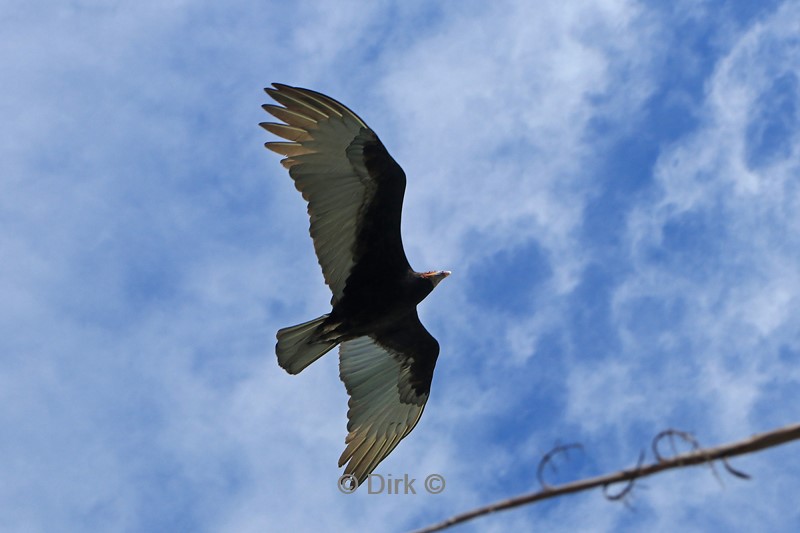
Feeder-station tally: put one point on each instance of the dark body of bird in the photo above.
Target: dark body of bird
(354, 190)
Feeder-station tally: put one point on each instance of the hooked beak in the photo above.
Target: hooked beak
(436, 277)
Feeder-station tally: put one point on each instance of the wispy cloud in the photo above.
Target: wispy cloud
(613, 185)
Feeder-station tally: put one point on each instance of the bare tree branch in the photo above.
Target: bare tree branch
(694, 457)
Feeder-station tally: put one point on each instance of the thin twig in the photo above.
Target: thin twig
(688, 438)
(547, 460)
(628, 485)
(753, 444)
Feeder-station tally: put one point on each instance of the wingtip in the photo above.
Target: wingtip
(277, 87)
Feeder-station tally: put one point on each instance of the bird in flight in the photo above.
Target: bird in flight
(354, 191)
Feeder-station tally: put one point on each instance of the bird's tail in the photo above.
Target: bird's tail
(297, 346)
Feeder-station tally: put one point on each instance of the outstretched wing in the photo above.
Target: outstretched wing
(388, 378)
(353, 186)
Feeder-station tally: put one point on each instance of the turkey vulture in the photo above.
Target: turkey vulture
(354, 191)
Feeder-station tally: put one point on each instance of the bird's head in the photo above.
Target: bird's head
(435, 276)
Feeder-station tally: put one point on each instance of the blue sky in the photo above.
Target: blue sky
(615, 186)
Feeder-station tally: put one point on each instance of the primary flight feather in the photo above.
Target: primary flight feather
(354, 191)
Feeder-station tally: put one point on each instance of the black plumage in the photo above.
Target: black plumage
(354, 190)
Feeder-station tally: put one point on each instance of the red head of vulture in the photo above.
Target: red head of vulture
(354, 191)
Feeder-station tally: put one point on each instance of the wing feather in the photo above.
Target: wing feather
(290, 117)
(388, 379)
(291, 133)
(288, 149)
(326, 154)
(298, 105)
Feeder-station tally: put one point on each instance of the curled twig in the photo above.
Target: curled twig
(731, 470)
(628, 484)
(695, 444)
(547, 460)
(671, 434)
(753, 444)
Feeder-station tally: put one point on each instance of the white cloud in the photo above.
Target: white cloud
(717, 247)
(706, 313)
(151, 250)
